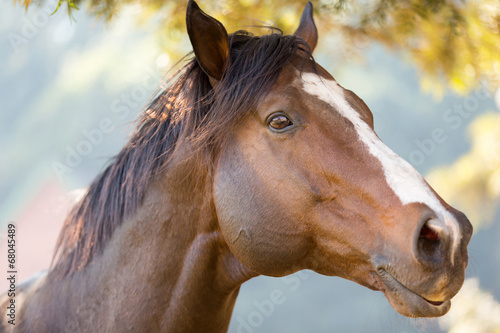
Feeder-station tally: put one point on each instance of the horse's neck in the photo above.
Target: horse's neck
(172, 264)
(167, 268)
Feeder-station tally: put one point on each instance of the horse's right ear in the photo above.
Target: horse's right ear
(209, 40)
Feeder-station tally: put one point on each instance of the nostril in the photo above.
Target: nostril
(428, 233)
(429, 242)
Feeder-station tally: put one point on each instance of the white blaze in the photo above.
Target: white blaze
(405, 181)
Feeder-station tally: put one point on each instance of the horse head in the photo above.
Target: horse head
(302, 181)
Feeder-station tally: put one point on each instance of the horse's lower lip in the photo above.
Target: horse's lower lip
(406, 301)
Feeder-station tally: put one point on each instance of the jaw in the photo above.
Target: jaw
(405, 301)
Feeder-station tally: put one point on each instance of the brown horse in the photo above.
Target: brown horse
(253, 161)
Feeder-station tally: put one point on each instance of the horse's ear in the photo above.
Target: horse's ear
(307, 29)
(209, 40)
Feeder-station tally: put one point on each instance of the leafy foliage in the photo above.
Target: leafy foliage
(454, 43)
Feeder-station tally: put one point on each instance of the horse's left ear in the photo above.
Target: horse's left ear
(209, 40)
(307, 29)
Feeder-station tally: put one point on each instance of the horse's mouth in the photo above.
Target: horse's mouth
(406, 301)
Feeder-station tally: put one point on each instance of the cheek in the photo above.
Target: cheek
(258, 215)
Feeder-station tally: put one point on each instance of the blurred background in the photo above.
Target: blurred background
(72, 83)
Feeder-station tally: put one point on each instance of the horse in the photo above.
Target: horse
(252, 161)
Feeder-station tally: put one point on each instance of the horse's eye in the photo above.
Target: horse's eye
(279, 122)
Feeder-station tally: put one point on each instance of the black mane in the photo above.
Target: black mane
(189, 110)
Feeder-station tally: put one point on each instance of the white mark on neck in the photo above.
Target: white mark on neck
(404, 180)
